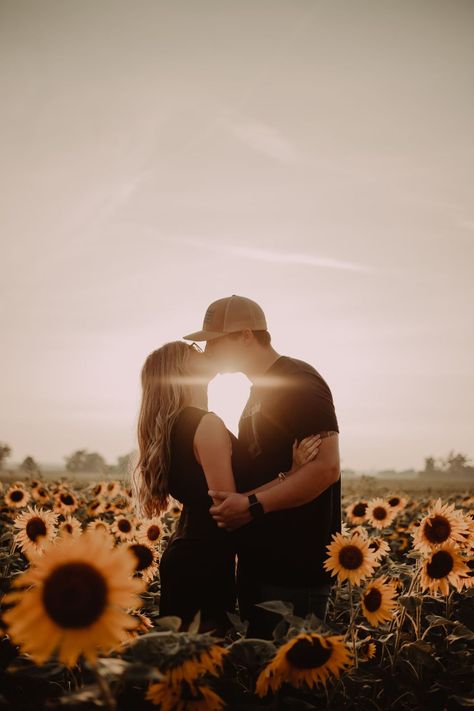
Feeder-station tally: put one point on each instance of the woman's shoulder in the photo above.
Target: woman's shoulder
(211, 425)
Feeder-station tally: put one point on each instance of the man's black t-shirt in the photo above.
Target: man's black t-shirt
(286, 547)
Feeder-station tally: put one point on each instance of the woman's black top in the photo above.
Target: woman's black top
(197, 568)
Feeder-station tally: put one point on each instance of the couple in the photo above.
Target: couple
(268, 500)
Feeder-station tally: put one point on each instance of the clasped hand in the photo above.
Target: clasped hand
(232, 512)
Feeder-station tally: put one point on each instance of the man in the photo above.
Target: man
(283, 530)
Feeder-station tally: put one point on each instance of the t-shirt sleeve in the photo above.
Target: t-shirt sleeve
(308, 408)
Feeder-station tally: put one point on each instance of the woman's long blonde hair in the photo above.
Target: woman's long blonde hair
(166, 387)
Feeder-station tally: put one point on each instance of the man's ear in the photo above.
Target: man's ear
(247, 336)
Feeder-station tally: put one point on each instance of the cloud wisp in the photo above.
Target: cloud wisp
(264, 139)
(267, 255)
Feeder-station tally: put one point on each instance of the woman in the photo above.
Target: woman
(185, 450)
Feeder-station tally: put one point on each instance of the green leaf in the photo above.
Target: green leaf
(422, 652)
(194, 625)
(280, 607)
(460, 631)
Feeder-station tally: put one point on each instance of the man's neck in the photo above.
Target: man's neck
(263, 360)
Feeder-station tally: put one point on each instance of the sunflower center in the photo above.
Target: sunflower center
(441, 564)
(394, 501)
(96, 491)
(143, 554)
(75, 595)
(374, 544)
(373, 599)
(68, 527)
(359, 509)
(308, 654)
(17, 495)
(42, 492)
(35, 527)
(67, 499)
(351, 557)
(124, 525)
(379, 513)
(153, 533)
(437, 529)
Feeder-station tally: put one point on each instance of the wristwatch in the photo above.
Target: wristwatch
(255, 507)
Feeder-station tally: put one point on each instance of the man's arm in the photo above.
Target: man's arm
(307, 482)
(304, 485)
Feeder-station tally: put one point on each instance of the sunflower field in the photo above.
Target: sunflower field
(80, 624)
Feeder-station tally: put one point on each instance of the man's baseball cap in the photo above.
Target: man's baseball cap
(227, 315)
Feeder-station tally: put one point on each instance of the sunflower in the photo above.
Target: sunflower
(183, 696)
(98, 489)
(397, 503)
(102, 527)
(16, 496)
(112, 489)
(123, 527)
(309, 658)
(95, 507)
(366, 650)
(174, 508)
(379, 513)
(146, 559)
(356, 512)
(37, 528)
(378, 600)
(75, 602)
(144, 625)
(40, 494)
(99, 525)
(443, 566)
(66, 502)
(350, 558)
(71, 526)
(379, 547)
(150, 531)
(467, 579)
(442, 524)
(208, 660)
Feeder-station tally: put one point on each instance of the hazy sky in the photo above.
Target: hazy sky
(314, 156)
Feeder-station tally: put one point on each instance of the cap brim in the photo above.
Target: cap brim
(203, 336)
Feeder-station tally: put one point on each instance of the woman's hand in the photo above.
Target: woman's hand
(305, 451)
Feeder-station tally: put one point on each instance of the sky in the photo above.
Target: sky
(314, 156)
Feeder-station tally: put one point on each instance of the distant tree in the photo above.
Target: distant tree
(456, 463)
(5, 451)
(29, 466)
(453, 466)
(84, 461)
(429, 465)
(123, 464)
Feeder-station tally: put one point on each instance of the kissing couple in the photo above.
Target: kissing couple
(258, 510)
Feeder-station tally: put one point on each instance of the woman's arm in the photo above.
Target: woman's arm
(213, 450)
(303, 452)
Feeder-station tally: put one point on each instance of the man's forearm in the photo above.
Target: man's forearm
(264, 487)
(304, 485)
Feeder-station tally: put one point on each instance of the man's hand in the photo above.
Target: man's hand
(232, 512)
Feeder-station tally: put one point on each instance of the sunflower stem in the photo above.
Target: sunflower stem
(403, 615)
(105, 690)
(352, 626)
(9, 560)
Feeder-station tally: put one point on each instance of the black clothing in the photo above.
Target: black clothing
(197, 568)
(285, 547)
